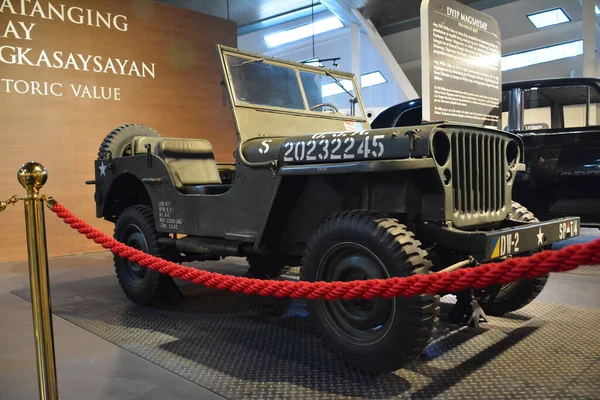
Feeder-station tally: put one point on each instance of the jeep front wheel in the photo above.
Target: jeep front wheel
(500, 300)
(135, 228)
(372, 336)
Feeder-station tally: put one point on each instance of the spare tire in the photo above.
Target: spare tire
(118, 142)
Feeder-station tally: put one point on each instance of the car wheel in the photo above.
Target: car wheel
(264, 267)
(499, 300)
(135, 228)
(372, 336)
(118, 142)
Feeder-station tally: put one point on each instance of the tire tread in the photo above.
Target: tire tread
(109, 142)
(163, 286)
(423, 313)
(526, 290)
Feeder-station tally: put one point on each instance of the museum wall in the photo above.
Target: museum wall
(66, 84)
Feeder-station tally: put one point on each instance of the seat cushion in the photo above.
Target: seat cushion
(195, 148)
(190, 161)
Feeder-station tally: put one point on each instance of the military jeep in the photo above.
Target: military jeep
(314, 186)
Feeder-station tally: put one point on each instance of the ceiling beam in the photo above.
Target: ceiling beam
(412, 23)
(387, 56)
(281, 19)
(341, 10)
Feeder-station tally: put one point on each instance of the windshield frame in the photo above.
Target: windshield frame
(296, 67)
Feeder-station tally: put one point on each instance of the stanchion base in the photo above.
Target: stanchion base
(467, 311)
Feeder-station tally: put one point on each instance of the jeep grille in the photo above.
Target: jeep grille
(479, 171)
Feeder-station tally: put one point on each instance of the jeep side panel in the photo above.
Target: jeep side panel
(237, 214)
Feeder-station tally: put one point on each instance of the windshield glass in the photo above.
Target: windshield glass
(259, 82)
(256, 82)
(324, 91)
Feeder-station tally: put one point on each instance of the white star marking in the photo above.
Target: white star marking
(102, 168)
(540, 236)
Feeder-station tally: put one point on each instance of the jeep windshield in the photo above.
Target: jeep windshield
(294, 88)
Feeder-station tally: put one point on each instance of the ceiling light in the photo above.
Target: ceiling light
(313, 62)
(303, 31)
(372, 79)
(549, 18)
(597, 9)
(542, 55)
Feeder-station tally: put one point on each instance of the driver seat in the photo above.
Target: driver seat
(191, 162)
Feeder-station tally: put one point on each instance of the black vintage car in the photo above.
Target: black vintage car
(559, 123)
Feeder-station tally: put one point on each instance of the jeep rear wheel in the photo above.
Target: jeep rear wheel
(500, 300)
(135, 228)
(118, 142)
(372, 336)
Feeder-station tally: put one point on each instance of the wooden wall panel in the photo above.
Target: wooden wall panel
(184, 99)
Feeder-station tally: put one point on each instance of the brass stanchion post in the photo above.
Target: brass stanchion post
(32, 176)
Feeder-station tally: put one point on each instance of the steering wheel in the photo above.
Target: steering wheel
(334, 108)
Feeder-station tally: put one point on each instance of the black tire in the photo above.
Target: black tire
(264, 267)
(500, 300)
(118, 142)
(371, 336)
(135, 227)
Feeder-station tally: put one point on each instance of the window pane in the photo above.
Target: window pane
(538, 113)
(556, 107)
(322, 89)
(260, 83)
(538, 118)
(574, 109)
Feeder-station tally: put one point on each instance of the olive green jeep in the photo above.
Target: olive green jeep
(314, 186)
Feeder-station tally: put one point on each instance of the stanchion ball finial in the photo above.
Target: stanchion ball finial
(32, 176)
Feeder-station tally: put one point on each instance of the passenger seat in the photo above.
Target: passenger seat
(192, 164)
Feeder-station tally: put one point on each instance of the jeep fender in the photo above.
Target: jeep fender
(126, 190)
(308, 195)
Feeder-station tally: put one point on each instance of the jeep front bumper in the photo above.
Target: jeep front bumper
(493, 244)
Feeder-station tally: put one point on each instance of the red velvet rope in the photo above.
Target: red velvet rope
(537, 265)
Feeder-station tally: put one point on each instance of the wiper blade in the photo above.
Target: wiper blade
(337, 82)
(250, 62)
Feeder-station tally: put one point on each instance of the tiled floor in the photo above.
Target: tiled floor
(93, 364)
(88, 366)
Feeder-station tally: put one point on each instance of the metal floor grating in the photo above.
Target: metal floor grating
(586, 270)
(248, 347)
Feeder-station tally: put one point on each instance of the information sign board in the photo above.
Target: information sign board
(460, 53)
